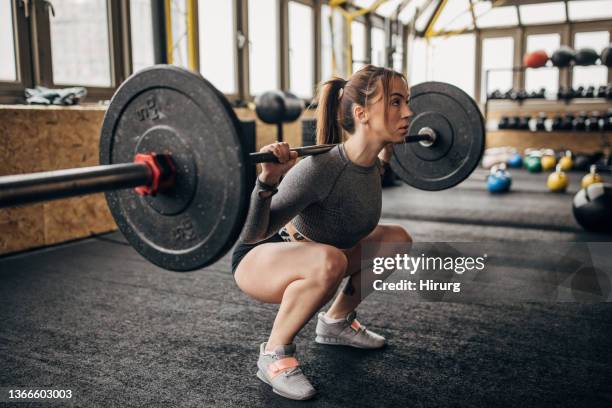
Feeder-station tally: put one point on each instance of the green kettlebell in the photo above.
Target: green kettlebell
(533, 164)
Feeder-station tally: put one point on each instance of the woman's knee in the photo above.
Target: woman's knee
(397, 233)
(330, 265)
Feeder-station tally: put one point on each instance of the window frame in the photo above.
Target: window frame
(43, 64)
(515, 34)
(316, 49)
(13, 91)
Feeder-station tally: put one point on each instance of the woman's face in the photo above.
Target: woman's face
(395, 128)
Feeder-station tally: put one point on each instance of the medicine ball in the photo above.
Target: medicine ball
(592, 208)
(606, 56)
(563, 56)
(586, 56)
(278, 107)
(535, 59)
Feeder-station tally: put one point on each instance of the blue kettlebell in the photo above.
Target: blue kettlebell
(499, 180)
(515, 161)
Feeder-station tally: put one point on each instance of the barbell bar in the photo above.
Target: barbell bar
(144, 175)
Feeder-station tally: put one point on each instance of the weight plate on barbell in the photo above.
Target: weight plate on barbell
(460, 138)
(166, 109)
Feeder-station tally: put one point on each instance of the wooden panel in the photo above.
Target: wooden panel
(50, 138)
(522, 139)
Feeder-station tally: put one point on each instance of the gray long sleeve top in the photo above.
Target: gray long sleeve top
(328, 198)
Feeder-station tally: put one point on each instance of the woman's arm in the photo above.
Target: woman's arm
(270, 210)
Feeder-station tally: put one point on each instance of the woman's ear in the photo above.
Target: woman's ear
(360, 114)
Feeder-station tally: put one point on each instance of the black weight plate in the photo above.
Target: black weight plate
(460, 141)
(165, 109)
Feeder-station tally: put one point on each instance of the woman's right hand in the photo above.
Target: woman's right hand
(271, 173)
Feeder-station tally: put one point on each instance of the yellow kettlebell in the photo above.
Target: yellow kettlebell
(548, 160)
(557, 181)
(591, 178)
(566, 161)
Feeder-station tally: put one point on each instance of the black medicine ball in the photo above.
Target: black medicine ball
(563, 56)
(593, 208)
(606, 56)
(586, 56)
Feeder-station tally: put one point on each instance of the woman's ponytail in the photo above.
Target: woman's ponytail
(328, 126)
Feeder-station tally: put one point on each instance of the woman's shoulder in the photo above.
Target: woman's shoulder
(325, 162)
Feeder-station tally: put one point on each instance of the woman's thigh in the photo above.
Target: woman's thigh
(265, 272)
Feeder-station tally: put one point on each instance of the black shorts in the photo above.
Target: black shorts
(242, 249)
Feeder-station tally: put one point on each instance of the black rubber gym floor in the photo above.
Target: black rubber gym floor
(94, 317)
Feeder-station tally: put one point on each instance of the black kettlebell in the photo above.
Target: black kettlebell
(593, 122)
(568, 122)
(607, 121)
(590, 92)
(601, 91)
(503, 123)
(579, 92)
(580, 121)
(541, 122)
(581, 162)
(557, 123)
(523, 123)
(513, 122)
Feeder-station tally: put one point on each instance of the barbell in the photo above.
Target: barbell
(174, 169)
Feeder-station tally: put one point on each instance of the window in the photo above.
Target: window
(217, 43)
(542, 77)
(141, 30)
(178, 37)
(358, 32)
(263, 46)
(542, 13)
(398, 54)
(409, 11)
(487, 16)
(8, 70)
(423, 19)
(589, 10)
(76, 26)
(378, 47)
(593, 75)
(387, 8)
(497, 52)
(301, 50)
(417, 61)
(455, 15)
(326, 44)
(452, 60)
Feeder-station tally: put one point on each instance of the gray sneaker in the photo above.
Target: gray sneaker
(347, 333)
(281, 371)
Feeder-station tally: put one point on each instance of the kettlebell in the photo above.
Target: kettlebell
(566, 161)
(541, 122)
(515, 160)
(499, 180)
(548, 160)
(557, 182)
(533, 163)
(591, 178)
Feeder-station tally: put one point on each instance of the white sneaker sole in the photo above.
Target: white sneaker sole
(335, 341)
(263, 378)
